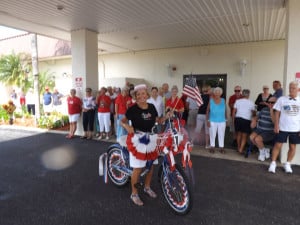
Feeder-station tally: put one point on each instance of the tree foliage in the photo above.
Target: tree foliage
(15, 70)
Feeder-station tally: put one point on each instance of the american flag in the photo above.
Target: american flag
(191, 90)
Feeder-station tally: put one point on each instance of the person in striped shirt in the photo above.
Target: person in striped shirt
(263, 131)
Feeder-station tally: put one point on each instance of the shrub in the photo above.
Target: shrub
(55, 120)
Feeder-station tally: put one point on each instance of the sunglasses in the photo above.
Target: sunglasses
(271, 102)
(237, 90)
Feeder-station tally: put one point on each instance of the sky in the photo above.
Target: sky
(6, 32)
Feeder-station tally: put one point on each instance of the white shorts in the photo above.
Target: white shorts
(48, 108)
(74, 118)
(137, 163)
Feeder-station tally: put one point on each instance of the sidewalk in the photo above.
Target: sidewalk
(230, 154)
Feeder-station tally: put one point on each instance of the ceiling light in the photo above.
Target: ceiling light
(60, 7)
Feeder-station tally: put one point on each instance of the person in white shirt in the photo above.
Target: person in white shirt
(243, 110)
(286, 126)
(30, 101)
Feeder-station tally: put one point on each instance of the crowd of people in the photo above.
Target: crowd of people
(263, 122)
(271, 119)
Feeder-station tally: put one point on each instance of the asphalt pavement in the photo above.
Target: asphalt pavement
(46, 179)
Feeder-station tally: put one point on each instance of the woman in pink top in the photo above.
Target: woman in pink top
(103, 103)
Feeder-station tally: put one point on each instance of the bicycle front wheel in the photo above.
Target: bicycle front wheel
(115, 163)
(176, 190)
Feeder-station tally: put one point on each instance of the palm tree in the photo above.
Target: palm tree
(14, 70)
(46, 79)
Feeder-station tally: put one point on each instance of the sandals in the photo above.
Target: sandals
(136, 199)
(212, 150)
(69, 136)
(150, 192)
(222, 151)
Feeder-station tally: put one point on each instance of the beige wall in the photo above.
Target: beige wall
(265, 61)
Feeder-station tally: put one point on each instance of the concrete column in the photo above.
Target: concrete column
(84, 63)
(292, 59)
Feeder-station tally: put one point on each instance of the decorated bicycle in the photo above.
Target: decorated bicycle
(141, 148)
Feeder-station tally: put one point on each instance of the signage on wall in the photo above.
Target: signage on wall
(78, 82)
(78, 86)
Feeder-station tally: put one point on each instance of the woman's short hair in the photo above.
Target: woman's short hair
(175, 88)
(246, 92)
(218, 89)
(154, 88)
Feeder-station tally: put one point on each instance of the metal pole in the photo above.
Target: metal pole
(35, 73)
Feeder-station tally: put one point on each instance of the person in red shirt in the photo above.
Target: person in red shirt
(74, 110)
(237, 95)
(121, 105)
(103, 103)
(175, 104)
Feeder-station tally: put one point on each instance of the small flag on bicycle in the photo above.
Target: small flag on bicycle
(191, 90)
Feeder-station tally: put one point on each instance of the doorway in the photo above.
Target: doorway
(213, 80)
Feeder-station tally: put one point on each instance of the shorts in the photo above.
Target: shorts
(282, 136)
(201, 121)
(74, 118)
(138, 163)
(267, 136)
(192, 117)
(47, 108)
(242, 125)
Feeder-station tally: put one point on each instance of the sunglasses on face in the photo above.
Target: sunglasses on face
(237, 90)
(271, 102)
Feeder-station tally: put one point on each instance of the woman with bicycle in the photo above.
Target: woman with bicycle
(143, 117)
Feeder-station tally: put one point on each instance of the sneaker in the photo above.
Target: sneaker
(107, 137)
(100, 137)
(136, 199)
(261, 156)
(207, 146)
(150, 192)
(272, 167)
(267, 153)
(287, 167)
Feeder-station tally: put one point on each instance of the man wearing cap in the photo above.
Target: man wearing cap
(47, 101)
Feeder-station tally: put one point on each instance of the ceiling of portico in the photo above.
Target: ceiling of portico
(136, 25)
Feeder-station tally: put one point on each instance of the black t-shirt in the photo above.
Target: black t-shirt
(142, 119)
(203, 107)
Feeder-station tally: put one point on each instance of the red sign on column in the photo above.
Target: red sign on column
(78, 82)
(298, 80)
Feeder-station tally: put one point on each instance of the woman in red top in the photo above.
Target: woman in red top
(74, 110)
(121, 105)
(175, 104)
(103, 103)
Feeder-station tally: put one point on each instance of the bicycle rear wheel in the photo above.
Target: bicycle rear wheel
(115, 162)
(176, 190)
